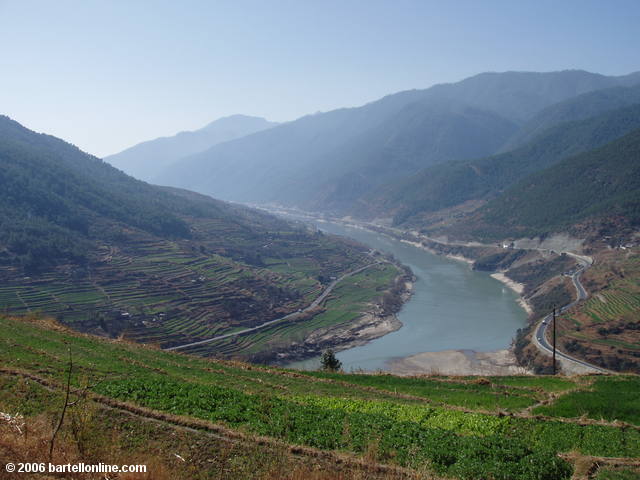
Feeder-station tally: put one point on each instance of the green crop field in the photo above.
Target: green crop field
(492, 395)
(459, 427)
(612, 304)
(610, 398)
(619, 298)
(351, 297)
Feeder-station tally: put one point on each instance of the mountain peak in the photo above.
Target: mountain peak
(239, 120)
(145, 159)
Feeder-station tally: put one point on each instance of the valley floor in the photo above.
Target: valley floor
(602, 330)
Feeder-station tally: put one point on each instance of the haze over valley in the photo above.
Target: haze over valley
(147, 159)
(490, 161)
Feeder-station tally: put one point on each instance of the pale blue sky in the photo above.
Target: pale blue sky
(107, 74)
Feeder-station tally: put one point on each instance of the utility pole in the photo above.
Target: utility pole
(554, 340)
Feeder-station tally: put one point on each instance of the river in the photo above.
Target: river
(452, 307)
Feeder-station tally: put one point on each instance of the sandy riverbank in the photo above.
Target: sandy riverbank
(369, 326)
(516, 287)
(339, 337)
(458, 362)
(459, 258)
(362, 331)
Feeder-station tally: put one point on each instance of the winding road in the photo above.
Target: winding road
(289, 316)
(539, 335)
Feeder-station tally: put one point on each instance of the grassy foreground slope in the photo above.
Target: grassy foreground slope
(468, 428)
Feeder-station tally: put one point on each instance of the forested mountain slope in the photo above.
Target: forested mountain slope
(58, 198)
(103, 252)
(580, 107)
(453, 183)
(55, 198)
(604, 182)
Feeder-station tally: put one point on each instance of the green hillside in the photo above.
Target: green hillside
(458, 427)
(55, 198)
(600, 183)
(105, 253)
(454, 183)
(51, 188)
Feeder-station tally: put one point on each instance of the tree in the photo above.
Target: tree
(330, 362)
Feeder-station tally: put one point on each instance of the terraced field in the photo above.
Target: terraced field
(606, 328)
(468, 428)
(351, 297)
(613, 304)
(174, 292)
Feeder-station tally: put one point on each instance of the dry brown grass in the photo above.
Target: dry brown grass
(30, 444)
(171, 447)
(587, 467)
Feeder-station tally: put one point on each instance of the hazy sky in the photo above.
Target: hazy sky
(107, 74)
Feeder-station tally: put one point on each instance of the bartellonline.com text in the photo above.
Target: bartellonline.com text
(73, 468)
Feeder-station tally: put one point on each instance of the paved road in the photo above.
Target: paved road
(540, 338)
(312, 305)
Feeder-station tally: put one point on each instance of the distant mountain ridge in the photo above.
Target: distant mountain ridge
(146, 159)
(328, 161)
(520, 95)
(576, 108)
